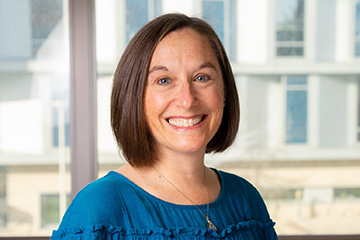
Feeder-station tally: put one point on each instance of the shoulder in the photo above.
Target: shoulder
(95, 203)
(101, 192)
(235, 182)
(246, 196)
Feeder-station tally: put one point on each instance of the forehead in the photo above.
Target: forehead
(184, 43)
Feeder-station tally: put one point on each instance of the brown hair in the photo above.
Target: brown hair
(128, 119)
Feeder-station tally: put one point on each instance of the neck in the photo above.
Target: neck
(186, 172)
(182, 168)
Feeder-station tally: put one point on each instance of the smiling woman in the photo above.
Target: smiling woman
(168, 108)
(172, 109)
(138, 69)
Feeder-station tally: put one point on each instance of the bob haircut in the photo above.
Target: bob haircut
(128, 119)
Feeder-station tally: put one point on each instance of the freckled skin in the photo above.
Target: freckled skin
(184, 82)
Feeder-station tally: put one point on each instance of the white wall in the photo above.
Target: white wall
(333, 111)
(326, 30)
(253, 34)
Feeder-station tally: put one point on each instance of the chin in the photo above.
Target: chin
(191, 148)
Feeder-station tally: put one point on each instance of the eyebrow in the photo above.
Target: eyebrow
(163, 68)
(207, 65)
(158, 68)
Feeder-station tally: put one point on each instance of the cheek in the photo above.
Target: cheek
(152, 103)
(220, 96)
(147, 107)
(215, 102)
(220, 104)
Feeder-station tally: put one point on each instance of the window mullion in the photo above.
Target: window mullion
(83, 93)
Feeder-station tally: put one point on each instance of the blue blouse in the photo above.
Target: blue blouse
(113, 207)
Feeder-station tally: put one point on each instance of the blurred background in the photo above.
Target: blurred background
(297, 68)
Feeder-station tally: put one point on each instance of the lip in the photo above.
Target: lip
(186, 122)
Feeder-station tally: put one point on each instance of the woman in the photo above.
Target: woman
(174, 99)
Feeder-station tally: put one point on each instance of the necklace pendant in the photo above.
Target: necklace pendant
(210, 225)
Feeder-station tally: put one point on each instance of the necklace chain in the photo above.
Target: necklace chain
(210, 224)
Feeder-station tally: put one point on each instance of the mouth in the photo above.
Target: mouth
(189, 122)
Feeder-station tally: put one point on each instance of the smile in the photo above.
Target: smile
(179, 122)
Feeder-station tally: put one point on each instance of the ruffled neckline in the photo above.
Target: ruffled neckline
(107, 229)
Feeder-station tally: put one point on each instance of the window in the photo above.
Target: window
(289, 28)
(50, 210)
(3, 212)
(358, 114)
(302, 169)
(138, 13)
(357, 29)
(34, 114)
(309, 190)
(40, 30)
(296, 109)
(222, 16)
(346, 193)
(282, 194)
(2, 184)
(213, 11)
(61, 121)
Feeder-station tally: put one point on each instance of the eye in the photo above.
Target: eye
(163, 81)
(202, 78)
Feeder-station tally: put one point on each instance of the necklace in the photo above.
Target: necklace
(210, 224)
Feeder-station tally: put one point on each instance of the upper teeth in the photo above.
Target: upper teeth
(185, 122)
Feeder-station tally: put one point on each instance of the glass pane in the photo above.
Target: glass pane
(50, 209)
(214, 13)
(290, 25)
(290, 20)
(296, 116)
(296, 80)
(34, 116)
(298, 140)
(136, 16)
(232, 51)
(139, 12)
(222, 16)
(290, 51)
(296, 113)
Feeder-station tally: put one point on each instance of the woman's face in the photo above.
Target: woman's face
(184, 97)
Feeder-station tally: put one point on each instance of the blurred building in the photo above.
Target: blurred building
(297, 68)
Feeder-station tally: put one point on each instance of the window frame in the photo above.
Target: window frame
(82, 32)
(83, 80)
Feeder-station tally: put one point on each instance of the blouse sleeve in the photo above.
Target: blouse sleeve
(87, 214)
(250, 205)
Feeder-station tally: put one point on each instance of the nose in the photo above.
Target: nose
(186, 97)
